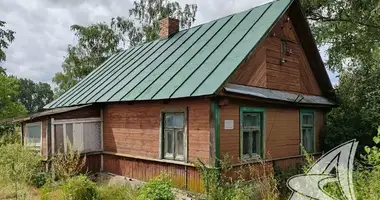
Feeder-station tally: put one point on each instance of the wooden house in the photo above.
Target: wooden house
(250, 85)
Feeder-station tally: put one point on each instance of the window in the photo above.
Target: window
(33, 135)
(173, 138)
(307, 130)
(252, 130)
(83, 134)
(284, 47)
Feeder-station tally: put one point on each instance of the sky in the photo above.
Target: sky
(43, 28)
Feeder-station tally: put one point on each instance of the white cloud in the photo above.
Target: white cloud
(43, 28)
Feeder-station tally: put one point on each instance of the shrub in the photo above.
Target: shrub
(39, 179)
(124, 192)
(69, 164)
(253, 181)
(159, 188)
(17, 165)
(80, 188)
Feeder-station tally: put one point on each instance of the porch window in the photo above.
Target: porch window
(174, 135)
(308, 130)
(84, 135)
(252, 121)
(33, 135)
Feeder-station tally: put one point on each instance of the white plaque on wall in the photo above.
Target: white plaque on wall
(228, 124)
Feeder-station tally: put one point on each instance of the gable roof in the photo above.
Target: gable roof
(193, 62)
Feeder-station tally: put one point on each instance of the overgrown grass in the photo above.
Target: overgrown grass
(249, 181)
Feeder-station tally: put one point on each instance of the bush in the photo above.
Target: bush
(80, 188)
(159, 188)
(124, 192)
(39, 179)
(69, 164)
(17, 165)
(253, 181)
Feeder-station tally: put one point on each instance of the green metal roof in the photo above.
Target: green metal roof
(193, 62)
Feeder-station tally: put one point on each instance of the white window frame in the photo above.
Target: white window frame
(27, 133)
(162, 133)
(73, 121)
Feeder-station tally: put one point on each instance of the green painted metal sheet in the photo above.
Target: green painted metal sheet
(114, 75)
(90, 81)
(193, 62)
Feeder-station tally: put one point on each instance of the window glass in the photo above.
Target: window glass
(58, 139)
(307, 119)
(69, 134)
(246, 144)
(179, 144)
(307, 131)
(251, 120)
(34, 135)
(174, 120)
(252, 131)
(169, 134)
(174, 142)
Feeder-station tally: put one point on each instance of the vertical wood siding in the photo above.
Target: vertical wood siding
(264, 69)
(282, 130)
(92, 164)
(135, 129)
(184, 177)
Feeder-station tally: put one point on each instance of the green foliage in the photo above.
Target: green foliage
(9, 91)
(17, 165)
(33, 95)
(6, 37)
(253, 181)
(95, 44)
(39, 179)
(349, 29)
(99, 41)
(159, 188)
(9, 134)
(350, 32)
(80, 188)
(372, 156)
(124, 192)
(69, 164)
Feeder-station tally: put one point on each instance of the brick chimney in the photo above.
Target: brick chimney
(168, 27)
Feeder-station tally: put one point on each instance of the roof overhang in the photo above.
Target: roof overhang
(278, 95)
(42, 114)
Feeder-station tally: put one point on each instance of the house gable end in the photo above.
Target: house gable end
(281, 62)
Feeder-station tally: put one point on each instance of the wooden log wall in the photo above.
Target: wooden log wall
(271, 67)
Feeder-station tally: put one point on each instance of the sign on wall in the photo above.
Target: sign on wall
(228, 124)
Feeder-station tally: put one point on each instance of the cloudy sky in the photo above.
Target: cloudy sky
(43, 28)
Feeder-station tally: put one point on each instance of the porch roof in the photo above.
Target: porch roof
(277, 95)
(42, 114)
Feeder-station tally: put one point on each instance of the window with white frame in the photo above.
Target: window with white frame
(174, 136)
(307, 130)
(33, 135)
(84, 135)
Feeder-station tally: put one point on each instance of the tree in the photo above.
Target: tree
(6, 37)
(350, 30)
(33, 95)
(99, 41)
(17, 166)
(9, 91)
